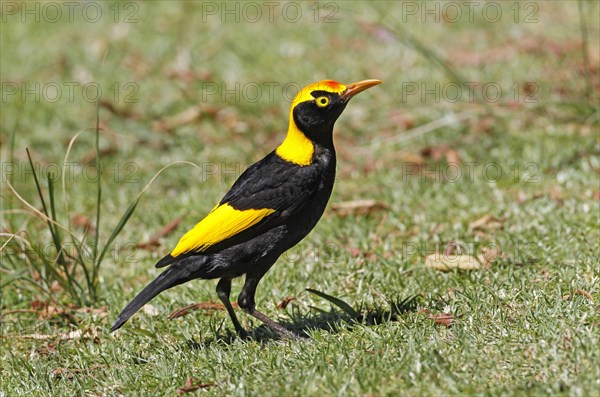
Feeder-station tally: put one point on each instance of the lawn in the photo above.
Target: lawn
(483, 143)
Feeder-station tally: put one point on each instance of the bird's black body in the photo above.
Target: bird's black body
(299, 207)
(296, 196)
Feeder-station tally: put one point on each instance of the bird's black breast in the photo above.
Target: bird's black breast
(304, 220)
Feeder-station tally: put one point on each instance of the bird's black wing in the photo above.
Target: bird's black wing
(264, 196)
(274, 183)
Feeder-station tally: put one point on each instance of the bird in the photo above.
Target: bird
(270, 208)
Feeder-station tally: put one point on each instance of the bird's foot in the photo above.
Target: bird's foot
(242, 334)
(274, 326)
(285, 333)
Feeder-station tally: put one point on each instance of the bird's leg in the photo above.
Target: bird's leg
(223, 291)
(246, 302)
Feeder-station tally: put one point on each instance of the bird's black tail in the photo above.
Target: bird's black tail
(176, 274)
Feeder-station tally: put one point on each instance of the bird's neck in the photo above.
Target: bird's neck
(296, 148)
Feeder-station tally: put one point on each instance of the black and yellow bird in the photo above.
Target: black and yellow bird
(273, 205)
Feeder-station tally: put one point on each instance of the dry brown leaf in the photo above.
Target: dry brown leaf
(62, 336)
(188, 75)
(354, 251)
(487, 222)
(556, 195)
(46, 310)
(410, 158)
(102, 310)
(484, 124)
(357, 207)
(404, 120)
(452, 157)
(488, 256)
(439, 261)
(65, 372)
(369, 167)
(523, 197)
(285, 302)
(452, 248)
(187, 116)
(589, 161)
(88, 333)
(436, 153)
(47, 350)
(209, 306)
(69, 373)
(80, 220)
(584, 293)
(121, 112)
(91, 155)
(191, 385)
(451, 292)
(55, 286)
(138, 65)
(154, 240)
(442, 319)
(96, 312)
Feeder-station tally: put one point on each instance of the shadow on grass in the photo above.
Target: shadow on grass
(332, 321)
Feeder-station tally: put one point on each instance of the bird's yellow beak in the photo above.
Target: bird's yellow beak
(360, 86)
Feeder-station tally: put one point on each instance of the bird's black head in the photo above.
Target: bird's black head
(317, 107)
(313, 113)
(316, 117)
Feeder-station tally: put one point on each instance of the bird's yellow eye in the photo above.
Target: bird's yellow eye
(322, 101)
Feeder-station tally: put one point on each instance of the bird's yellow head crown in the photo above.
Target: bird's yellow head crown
(305, 94)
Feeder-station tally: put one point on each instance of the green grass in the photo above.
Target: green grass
(527, 325)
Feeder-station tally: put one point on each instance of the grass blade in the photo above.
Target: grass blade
(117, 230)
(337, 302)
(37, 185)
(56, 234)
(96, 259)
(99, 183)
(69, 275)
(51, 225)
(585, 49)
(405, 305)
(54, 274)
(8, 200)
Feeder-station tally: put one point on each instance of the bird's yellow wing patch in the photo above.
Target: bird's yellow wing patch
(221, 223)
